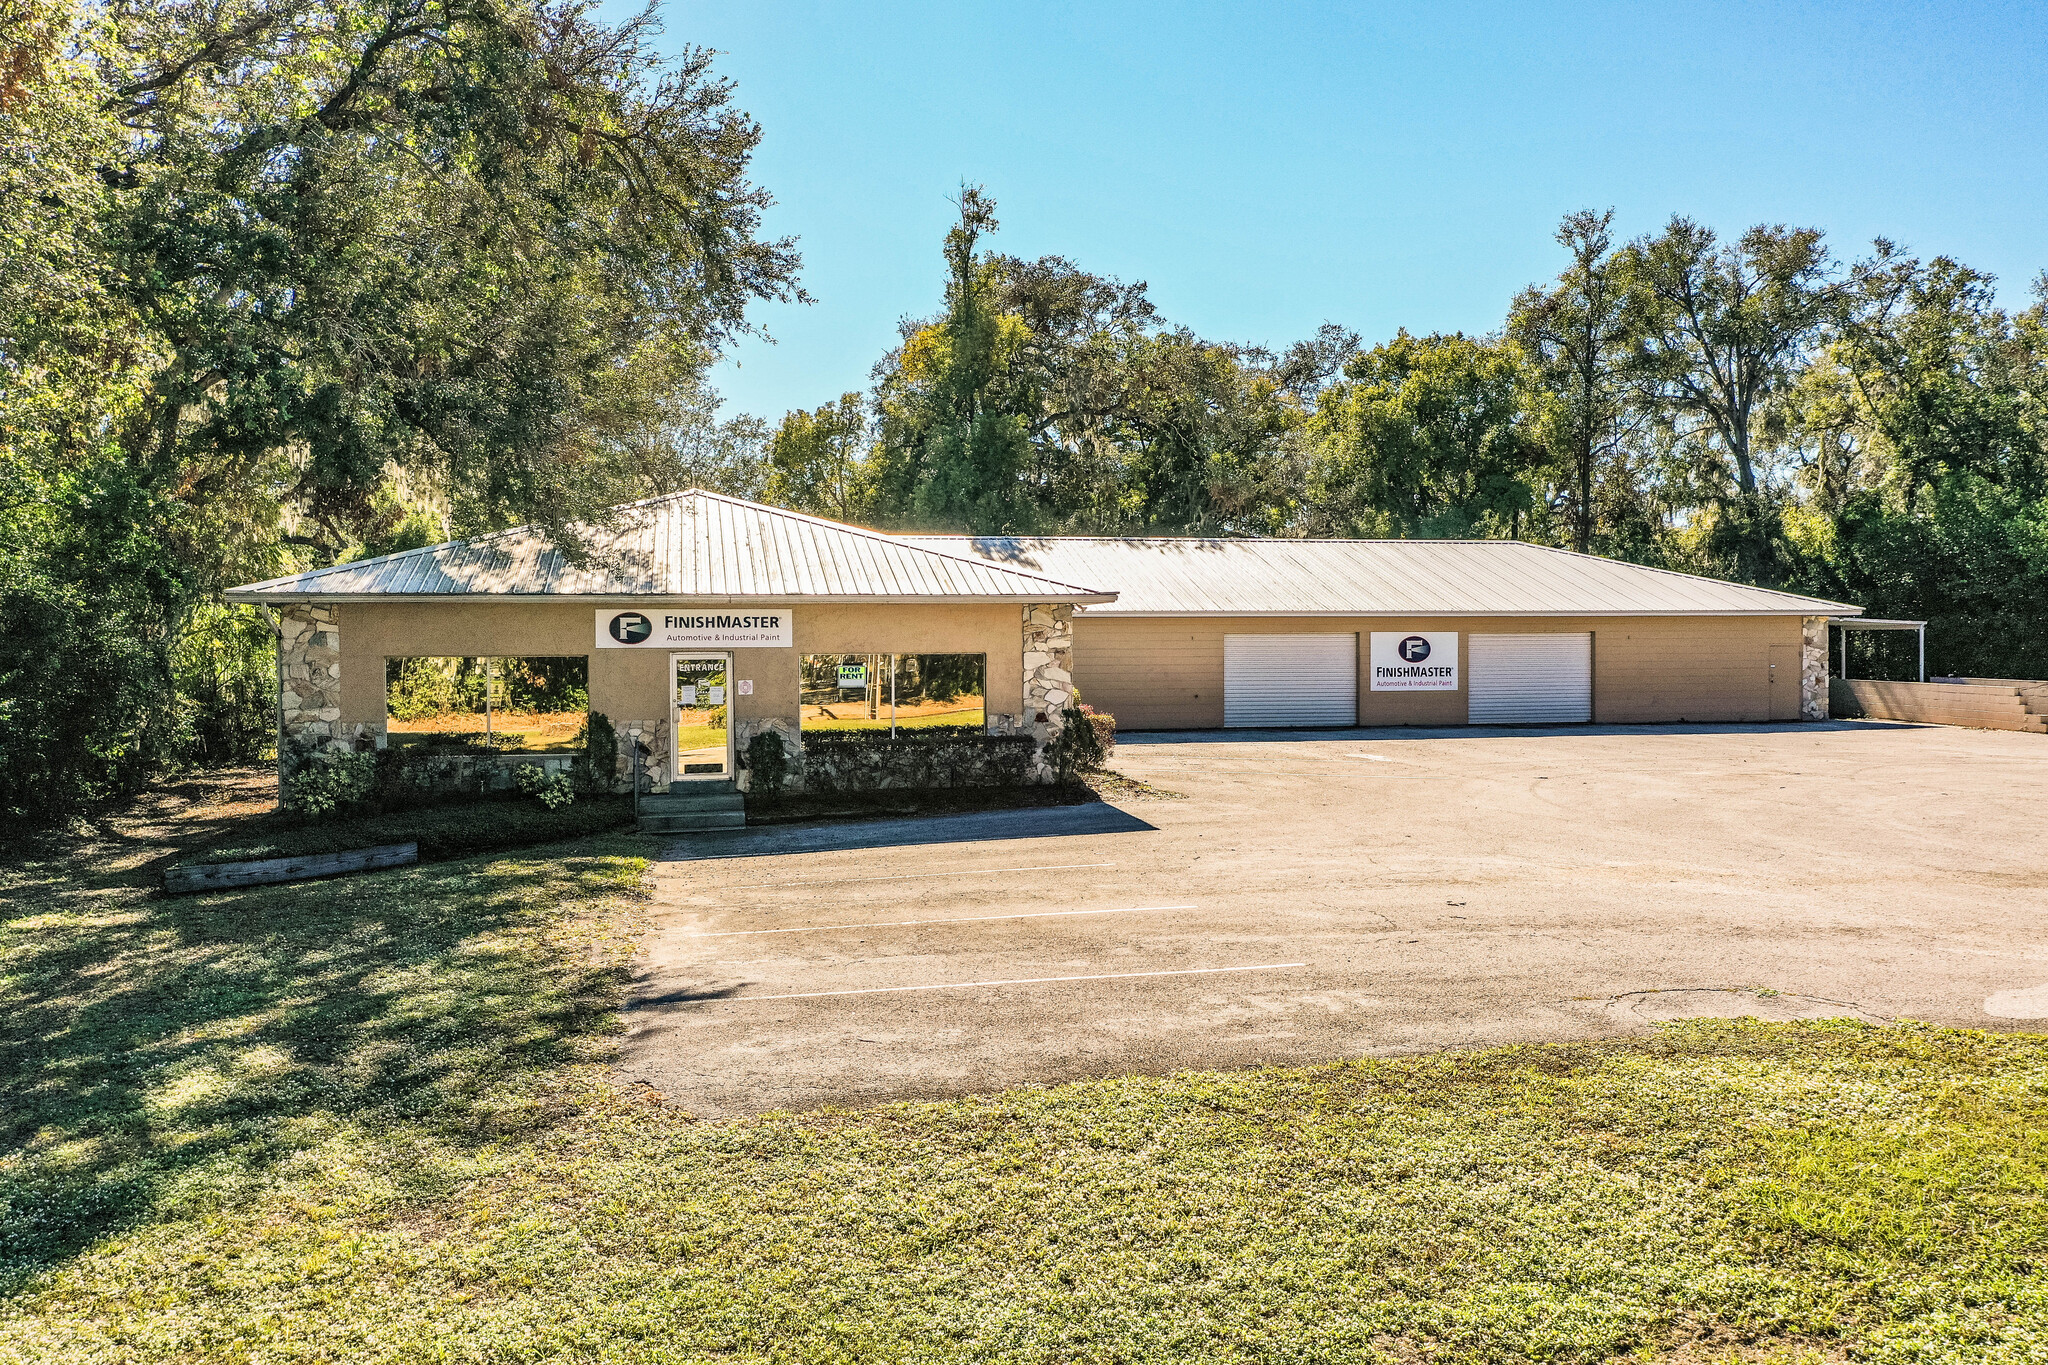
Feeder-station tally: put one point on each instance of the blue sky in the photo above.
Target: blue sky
(1267, 168)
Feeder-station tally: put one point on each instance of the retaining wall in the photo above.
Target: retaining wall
(2015, 704)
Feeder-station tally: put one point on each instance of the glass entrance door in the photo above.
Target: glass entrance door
(703, 743)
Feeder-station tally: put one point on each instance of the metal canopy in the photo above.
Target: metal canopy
(1865, 623)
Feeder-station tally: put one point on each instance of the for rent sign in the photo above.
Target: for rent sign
(1415, 661)
(694, 628)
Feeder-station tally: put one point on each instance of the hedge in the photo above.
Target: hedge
(448, 832)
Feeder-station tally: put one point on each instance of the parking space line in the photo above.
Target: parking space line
(909, 923)
(1018, 981)
(915, 876)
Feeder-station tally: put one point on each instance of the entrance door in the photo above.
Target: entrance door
(1784, 682)
(702, 747)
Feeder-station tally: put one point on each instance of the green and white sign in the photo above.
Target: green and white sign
(853, 677)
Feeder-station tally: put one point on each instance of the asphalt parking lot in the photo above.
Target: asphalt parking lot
(1321, 895)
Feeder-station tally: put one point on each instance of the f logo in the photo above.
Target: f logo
(1414, 649)
(630, 627)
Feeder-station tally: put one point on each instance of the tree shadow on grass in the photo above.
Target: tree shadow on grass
(160, 1055)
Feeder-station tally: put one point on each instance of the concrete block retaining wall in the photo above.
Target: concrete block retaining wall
(2005, 705)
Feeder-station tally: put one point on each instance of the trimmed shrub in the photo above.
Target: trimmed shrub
(552, 790)
(324, 785)
(1104, 725)
(768, 762)
(596, 768)
(915, 759)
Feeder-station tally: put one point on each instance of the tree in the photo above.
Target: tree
(1577, 335)
(273, 273)
(817, 460)
(1424, 436)
(1927, 500)
(951, 449)
(1724, 330)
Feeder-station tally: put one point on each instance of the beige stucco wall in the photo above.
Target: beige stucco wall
(631, 685)
(1157, 673)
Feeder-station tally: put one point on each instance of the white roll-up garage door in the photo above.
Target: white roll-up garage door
(1284, 680)
(1524, 679)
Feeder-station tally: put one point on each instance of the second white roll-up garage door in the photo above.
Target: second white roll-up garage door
(1525, 679)
(1284, 680)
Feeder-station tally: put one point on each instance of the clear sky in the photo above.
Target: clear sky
(1269, 167)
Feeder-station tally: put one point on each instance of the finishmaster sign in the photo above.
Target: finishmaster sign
(1415, 661)
(690, 627)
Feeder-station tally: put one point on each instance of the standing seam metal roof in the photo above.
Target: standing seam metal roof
(1168, 576)
(695, 545)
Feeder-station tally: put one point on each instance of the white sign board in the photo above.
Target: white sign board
(695, 628)
(1415, 661)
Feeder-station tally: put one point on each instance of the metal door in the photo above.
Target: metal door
(1290, 680)
(1529, 679)
(1784, 682)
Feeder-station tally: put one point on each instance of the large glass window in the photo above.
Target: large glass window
(531, 704)
(870, 692)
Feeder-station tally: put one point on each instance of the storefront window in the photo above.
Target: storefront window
(870, 692)
(533, 704)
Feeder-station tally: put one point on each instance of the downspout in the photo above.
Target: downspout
(277, 633)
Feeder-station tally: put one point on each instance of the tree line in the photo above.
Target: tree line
(289, 282)
(1749, 407)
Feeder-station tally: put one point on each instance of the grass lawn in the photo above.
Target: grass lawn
(369, 1120)
(975, 717)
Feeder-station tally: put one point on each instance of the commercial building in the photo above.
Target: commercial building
(694, 619)
(1207, 632)
(699, 621)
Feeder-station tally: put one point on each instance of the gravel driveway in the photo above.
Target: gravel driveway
(1321, 895)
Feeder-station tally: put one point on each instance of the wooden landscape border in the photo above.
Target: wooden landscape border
(180, 881)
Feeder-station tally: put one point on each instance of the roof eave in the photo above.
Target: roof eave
(258, 597)
(1476, 612)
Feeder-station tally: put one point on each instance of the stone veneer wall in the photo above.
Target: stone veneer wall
(921, 761)
(1048, 668)
(309, 640)
(1813, 668)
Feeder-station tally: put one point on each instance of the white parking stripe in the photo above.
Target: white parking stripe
(915, 876)
(1018, 981)
(908, 923)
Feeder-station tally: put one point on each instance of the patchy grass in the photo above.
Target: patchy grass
(369, 1121)
(969, 717)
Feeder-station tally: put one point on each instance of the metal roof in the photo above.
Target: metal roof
(702, 546)
(1178, 576)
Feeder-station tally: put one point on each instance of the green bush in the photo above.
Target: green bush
(1077, 748)
(552, 790)
(1104, 725)
(597, 765)
(325, 785)
(768, 762)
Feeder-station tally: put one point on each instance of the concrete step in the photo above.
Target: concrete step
(680, 803)
(692, 821)
(698, 786)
